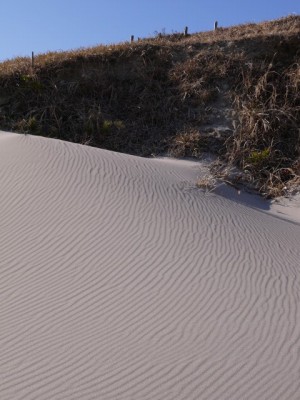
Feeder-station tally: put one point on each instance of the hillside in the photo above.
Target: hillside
(233, 91)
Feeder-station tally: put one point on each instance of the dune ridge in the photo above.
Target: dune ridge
(120, 279)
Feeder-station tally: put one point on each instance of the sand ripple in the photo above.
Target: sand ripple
(119, 279)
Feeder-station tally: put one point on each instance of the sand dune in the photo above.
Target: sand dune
(119, 279)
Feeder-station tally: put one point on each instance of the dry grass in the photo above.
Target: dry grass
(283, 26)
(160, 94)
(266, 140)
(208, 183)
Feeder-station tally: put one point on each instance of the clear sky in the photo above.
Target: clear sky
(51, 25)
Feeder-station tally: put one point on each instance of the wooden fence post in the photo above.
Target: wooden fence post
(32, 59)
(186, 31)
(216, 25)
(132, 38)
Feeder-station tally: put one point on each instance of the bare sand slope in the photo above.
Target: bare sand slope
(119, 279)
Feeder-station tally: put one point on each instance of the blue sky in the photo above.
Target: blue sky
(51, 25)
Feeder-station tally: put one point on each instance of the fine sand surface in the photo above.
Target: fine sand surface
(119, 279)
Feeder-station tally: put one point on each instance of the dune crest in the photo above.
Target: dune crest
(121, 280)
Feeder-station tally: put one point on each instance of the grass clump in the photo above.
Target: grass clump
(266, 140)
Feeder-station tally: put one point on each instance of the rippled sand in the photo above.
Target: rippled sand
(120, 279)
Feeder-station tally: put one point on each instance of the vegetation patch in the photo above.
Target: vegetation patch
(233, 92)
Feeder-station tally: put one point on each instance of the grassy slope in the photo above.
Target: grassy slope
(234, 91)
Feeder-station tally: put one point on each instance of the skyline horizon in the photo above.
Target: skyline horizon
(56, 27)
